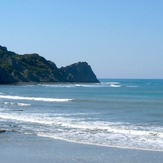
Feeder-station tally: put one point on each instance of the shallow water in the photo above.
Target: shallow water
(119, 113)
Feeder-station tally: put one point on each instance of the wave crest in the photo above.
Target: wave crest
(35, 98)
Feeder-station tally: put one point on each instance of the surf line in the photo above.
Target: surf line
(36, 98)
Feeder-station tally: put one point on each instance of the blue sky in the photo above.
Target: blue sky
(118, 38)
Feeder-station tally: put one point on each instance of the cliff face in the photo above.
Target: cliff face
(77, 72)
(16, 68)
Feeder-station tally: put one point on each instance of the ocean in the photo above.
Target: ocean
(122, 113)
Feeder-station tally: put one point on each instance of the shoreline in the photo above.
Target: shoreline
(100, 145)
(18, 148)
(49, 83)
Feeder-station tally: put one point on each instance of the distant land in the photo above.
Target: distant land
(33, 68)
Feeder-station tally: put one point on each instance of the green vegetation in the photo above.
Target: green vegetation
(16, 68)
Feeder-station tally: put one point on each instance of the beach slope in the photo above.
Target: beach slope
(18, 148)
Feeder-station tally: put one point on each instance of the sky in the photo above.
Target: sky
(118, 38)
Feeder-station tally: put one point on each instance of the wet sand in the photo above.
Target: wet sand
(18, 148)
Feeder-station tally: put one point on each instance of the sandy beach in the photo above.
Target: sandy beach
(18, 148)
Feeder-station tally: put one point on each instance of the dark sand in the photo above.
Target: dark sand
(18, 148)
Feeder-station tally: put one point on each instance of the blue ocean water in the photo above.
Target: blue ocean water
(117, 112)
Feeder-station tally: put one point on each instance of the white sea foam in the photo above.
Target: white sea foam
(35, 98)
(84, 85)
(89, 85)
(24, 118)
(109, 83)
(28, 85)
(132, 86)
(69, 85)
(73, 85)
(13, 103)
(98, 132)
(116, 86)
(8, 103)
(95, 85)
(23, 104)
(58, 85)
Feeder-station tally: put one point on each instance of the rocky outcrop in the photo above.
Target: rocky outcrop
(77, 72)
(16, 68)
(1, 130)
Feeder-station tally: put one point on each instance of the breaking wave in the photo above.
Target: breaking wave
(96, 85)
(35, 98)
(118, 134)
(13, 103)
